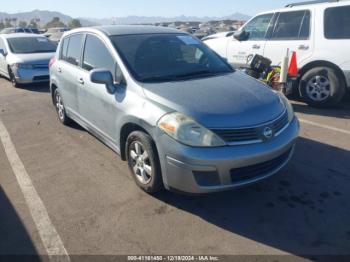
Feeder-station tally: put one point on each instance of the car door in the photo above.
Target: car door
(3, 64)
(256, 30)
(97, 107)
(292, 31)
(67, 71)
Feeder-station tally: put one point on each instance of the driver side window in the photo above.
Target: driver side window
(97, 56)
(257, 28)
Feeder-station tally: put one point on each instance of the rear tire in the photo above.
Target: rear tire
(60, 109)
(322, 87)
(143, 162)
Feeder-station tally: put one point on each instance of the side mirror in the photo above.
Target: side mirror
(103, 76)
(2, 52)
(241, 35)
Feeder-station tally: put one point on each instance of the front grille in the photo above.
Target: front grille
(41, 78)
(41, 66)
(252, 134)
(257, 170)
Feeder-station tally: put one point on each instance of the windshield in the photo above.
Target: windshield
(168, 57)
(28, 45)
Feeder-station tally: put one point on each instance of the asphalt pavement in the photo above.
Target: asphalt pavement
(92, 203)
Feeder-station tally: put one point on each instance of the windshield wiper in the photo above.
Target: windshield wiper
(202, 73)
(157, 78)
(43, 51)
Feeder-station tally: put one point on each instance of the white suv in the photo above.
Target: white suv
(319, 31)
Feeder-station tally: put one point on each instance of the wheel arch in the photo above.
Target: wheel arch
(125, 131)
(53, 87)
(318, 63)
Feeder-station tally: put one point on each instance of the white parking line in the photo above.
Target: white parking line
(48, 234)
(347, 132)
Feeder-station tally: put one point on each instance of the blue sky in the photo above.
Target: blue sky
(111, 8)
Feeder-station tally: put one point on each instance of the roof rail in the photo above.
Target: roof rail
(312, 2)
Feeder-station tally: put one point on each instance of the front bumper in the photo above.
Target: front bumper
(28, 76)
(206, 170)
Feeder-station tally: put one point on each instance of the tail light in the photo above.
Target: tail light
(52, 61)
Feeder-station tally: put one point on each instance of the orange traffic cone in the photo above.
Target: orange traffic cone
(293, 67)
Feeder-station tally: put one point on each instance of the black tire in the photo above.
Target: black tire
(59, 105)
(138, 165)
(322, 87)
(13, 79)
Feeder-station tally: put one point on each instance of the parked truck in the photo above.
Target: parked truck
(318, 31)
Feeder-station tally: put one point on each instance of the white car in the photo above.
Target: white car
(24, 58)
(319, 31)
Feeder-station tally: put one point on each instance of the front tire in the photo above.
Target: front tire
(143, 162)
(61, 111)
(322, 87)
(13, 79)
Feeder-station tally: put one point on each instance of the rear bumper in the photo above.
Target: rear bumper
(206, 170)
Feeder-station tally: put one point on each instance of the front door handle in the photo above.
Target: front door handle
(59, 70)
(303, 47)
(81, 81)
(256, 46)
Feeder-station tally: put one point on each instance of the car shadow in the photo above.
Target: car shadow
(76, 126)
(39, 88)
(304, 210)
(341, 111)
(15, 242)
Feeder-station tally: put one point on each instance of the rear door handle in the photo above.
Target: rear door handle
(256, 46)
(303, 47)
(81, 81)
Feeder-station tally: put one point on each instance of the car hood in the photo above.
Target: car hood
(39, 58)
(232, 100)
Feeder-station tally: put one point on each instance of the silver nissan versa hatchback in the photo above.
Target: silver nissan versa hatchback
(180, 116)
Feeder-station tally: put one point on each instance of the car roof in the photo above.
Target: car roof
(16, 35)
(128, 30)
(307, 6)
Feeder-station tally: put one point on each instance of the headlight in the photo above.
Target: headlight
(187, 131)
(288, 105)
(23, 66)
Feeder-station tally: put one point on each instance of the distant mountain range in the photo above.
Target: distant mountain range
(46, 16)
(161, 19)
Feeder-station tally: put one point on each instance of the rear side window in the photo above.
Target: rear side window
(74, 49)
(64, 49)
(96, 55)
(337, 22)
(292, 26)
(258, 26)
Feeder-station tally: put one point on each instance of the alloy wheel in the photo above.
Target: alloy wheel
(318, 88)
(140, 163)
